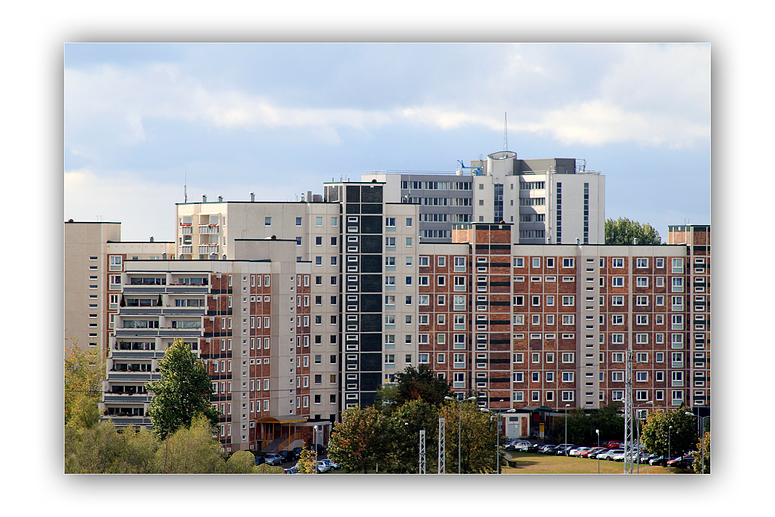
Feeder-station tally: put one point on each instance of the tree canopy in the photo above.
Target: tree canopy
(84, 373)
(420, 383)
(656, 432)
(624, 231)
(182, 392)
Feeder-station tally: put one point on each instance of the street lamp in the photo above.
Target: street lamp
(702, 437)
(597, 432)
(459, 424)
(498, 435)
(566, 429)
(669, 429)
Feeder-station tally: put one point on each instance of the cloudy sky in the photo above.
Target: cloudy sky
(143, 120)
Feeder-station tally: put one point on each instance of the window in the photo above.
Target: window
(617, 262)
(267, 221)
(567, 262)
(390, 222)
(617, 281)
(677, 265)
(568, 300)
(641, 262)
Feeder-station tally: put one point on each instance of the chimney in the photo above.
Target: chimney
(204, 198)
(252, 197)
(220, 199)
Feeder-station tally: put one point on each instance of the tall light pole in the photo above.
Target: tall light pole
(566, 429)
(669, 429)
(459, 424)
(597, 432)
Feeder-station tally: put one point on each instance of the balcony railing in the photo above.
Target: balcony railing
(208, 248)
(208, 229)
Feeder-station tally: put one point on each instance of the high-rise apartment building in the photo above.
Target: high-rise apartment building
(551, 201)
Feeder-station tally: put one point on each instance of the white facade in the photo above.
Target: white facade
(549, 200)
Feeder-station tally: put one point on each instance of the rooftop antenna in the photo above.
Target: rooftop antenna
(505, 132)
(185, 186)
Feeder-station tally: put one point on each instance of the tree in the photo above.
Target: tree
(403, 437)
(357, 442)
(656, 433)
(624, 231)
(307, 461)
(478, 438)
(191, 450)
(84, 373)
(182, 392)
(702, 456)
(241, 462)
(420, 383)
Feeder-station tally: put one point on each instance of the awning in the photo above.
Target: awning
(278, 420)
(535, 409)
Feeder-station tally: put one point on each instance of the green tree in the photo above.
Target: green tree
(478, 438)
(84, 373)
(191, 450)
(657, 434)
(420, 383)
(241, 462)
(403, 437)
(358, 441)
(624, 231)
(701, 456)
(182, 392)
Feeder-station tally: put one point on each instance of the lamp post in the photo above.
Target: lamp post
(701, 433)
(597, 432)
(498, 435)
(566, 429)
(459, 424)
(669, 429)
(315, 447)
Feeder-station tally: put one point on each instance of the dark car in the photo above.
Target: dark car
(259, 460)
(288, 456)
(682, 462)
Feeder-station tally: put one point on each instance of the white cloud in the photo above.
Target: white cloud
(122, 197)
(597, 123)
(649, 94)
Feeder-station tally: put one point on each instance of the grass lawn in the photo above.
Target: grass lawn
(529, 463)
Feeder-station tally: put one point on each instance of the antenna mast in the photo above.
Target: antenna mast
(185, 186)
(505, 133)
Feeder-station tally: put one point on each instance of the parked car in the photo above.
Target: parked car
(591, 452)
(563, 449)
(617, 455)
(322, 467)
(518, 445)
(658, 460)
(292, 470)
(608, 455)
(288, 456)
(259, 460)
(329, 463)
(547, 449)
(614, 444)
(578, 451)
(273, 458)
(682, 462)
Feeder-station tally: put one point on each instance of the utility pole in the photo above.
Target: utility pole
(442, 452)
(422, 451)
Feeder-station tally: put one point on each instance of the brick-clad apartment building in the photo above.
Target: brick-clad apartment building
(299, 310)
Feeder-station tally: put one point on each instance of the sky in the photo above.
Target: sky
(147, 123)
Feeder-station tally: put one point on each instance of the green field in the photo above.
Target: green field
(530, 463)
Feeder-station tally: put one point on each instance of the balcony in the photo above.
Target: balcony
(208, 229)
(208, 248)
(127, 398)
(186, 230)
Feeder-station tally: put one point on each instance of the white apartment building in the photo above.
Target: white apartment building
(551, 201)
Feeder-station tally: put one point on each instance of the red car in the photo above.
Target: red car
(614, 445)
